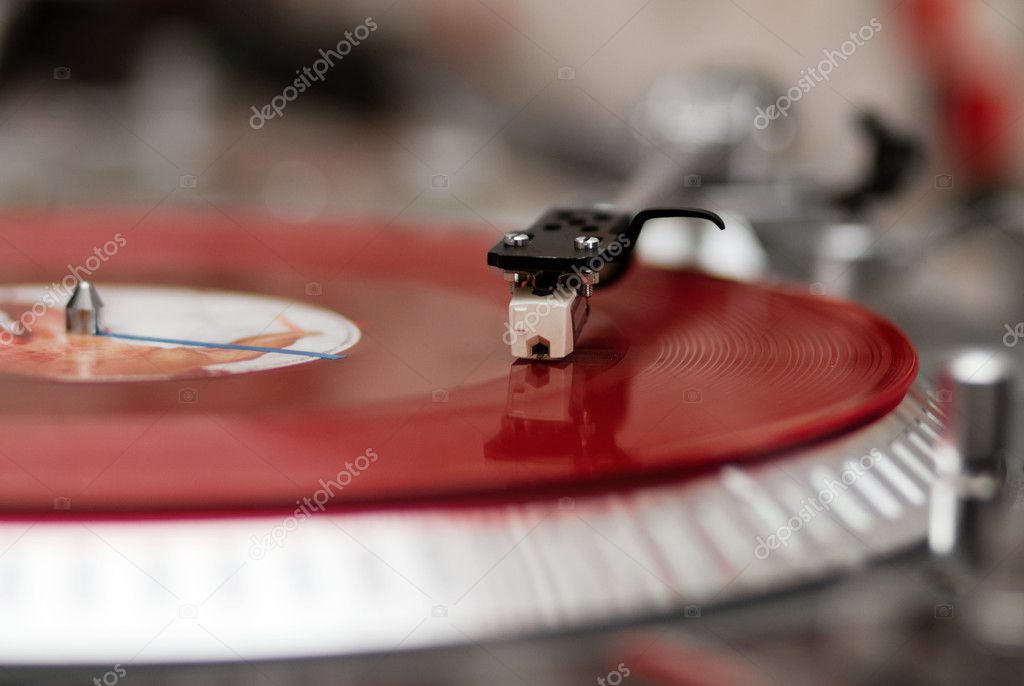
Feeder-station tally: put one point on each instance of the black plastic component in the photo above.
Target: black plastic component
(552, 241)
(552, 249)
(893, 156)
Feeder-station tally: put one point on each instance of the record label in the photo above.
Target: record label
(34, 342)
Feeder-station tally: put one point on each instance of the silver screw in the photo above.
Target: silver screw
(587, 242)
(516, 239)
(518, 279)
(589, 279)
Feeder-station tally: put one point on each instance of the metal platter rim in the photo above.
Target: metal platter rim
(197, 590)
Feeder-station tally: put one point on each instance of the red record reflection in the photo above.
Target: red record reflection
(676, 371)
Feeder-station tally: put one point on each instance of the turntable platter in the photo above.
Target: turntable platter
(676, 371)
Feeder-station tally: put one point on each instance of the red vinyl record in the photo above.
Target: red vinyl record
(676, 371)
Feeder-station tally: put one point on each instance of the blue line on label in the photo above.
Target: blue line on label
(225, 346)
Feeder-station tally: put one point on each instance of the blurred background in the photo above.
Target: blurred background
(872, 180)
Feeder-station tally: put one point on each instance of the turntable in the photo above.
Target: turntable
(243, 443)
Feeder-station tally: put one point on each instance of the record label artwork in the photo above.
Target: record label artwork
(153, 333)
